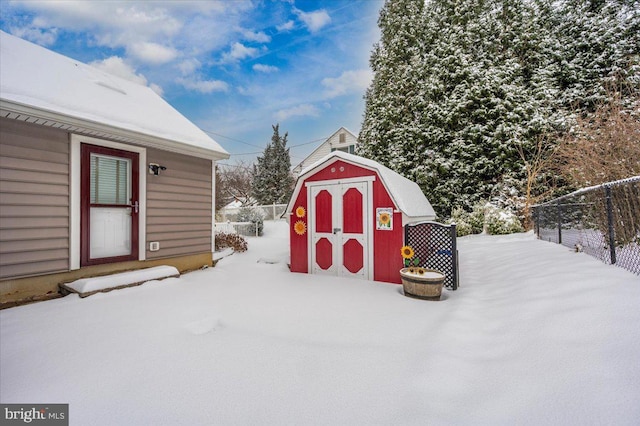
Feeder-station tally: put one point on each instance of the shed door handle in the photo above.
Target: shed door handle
(336, 230)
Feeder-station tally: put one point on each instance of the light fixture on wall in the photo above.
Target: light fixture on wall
(154, 169)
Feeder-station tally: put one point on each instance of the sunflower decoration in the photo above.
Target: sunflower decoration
(300, 227)
(410, 261)
(407, 252)
(300, 211)
(385, 218)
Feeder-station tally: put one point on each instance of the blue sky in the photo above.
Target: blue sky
(232, 67)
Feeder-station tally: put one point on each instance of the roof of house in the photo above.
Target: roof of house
(316, 152)
(406, 194)
(45, 85)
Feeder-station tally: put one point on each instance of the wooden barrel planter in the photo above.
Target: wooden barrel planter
(426, 285)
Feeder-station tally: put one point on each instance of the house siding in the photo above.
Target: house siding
(332, 143)
(34, 199)
(179, 205)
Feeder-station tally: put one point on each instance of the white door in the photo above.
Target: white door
(339, 229)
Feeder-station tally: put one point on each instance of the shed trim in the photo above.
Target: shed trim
(336, 181)
(367, 223)
(382, 171)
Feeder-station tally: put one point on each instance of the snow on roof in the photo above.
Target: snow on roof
(38, 78)
(405, 193)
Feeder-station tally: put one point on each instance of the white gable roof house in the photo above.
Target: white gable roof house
(341, 140)
(98, 175)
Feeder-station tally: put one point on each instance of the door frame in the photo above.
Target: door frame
(87, 150)
(367, 231)
(75, 212)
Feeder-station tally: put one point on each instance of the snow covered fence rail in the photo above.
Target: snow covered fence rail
(242, 228)
(267, 211)
(602, 220)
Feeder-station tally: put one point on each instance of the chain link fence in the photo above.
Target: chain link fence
(602, 221)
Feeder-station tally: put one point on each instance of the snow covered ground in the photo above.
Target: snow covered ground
(535, 335)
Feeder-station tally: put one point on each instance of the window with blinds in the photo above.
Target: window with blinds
(110, 183)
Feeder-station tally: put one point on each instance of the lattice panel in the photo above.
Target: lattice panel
(435, 245)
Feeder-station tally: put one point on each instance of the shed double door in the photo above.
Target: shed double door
(339, 229)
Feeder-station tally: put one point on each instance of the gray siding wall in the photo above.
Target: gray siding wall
(178, 205)
(34, 199)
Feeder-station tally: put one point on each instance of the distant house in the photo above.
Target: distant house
(97, 175)
(231, 210)
(342, 140)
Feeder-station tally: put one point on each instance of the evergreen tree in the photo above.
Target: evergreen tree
(272, 179)
(463, 89)
(599, 47)
(393, 107)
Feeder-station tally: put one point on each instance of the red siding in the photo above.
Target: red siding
(298, 245)
(386, 245)
(348, 171)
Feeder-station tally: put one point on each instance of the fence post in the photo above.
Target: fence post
(559, 222)
(612, 237)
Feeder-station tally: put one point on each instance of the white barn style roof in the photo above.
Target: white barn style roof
(406, 194)
(44, 87)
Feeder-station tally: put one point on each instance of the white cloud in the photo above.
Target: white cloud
(287, 26)
(304, 110)
(156, 89)
(152, 53)
(151, 32)
(117, 66)
(36, 35)
(238, 52)
(188, 66)
(204, 86)
(265, 68)
(347, 82)
(258, 37)
(313, 20)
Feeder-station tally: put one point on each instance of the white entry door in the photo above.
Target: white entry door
(339, 229)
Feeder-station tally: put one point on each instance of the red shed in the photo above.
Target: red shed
(347, 217)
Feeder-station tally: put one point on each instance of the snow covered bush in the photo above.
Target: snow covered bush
(461, 218)
(476, 218)
(499, 221)
(485, 216)
(468, 223)
(255, 216)
(235, 241)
